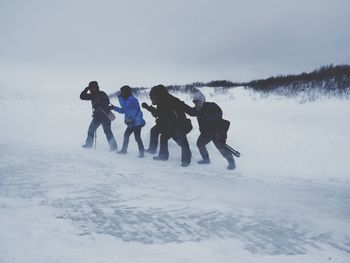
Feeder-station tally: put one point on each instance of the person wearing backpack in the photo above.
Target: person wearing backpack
(133, 118)
(212, 128)
(100, 110)
(172, 122)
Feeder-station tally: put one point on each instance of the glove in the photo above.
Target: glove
(111, 107)
(144, 105)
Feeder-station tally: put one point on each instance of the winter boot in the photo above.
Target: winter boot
(113, 148)
(112, 145)
(205, 160)
(151, 151)
(86, 146)
(122, 151)
(160, 158)
(231, 163)
(185, 163)
(141, 154)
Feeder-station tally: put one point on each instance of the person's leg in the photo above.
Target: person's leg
(154, 137)
(220, 145)
(91, 133)
(127, 134)
(202, 141)
(106, 124)
(137, 134)
(181, 139)
(163, 150)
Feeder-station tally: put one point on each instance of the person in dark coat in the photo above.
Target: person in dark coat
(209, 116)
(172, 122)
(100, 107)
(133, 118)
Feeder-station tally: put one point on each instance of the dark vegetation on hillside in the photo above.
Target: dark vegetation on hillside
(331, 81)
(327, 80)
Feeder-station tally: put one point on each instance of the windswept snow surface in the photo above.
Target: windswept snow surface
(288, 200)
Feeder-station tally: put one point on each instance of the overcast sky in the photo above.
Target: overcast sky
(146, 42)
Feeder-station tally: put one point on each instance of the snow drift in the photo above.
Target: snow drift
(287, 201)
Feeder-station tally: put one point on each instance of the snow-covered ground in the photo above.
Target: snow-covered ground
(288, 200)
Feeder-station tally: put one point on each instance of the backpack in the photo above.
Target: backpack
(224, 125)
(187, 125)
(221, 132)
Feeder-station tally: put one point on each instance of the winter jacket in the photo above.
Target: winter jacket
(209, 117)
(131, 109)
(170, 114)
(100, 102)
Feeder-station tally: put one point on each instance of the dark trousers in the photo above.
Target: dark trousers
(106, 124)
(180, 138)
(154, 137)
(203, 140)
(137, 134)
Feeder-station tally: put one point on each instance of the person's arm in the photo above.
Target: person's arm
(189, 110)
(118, 109)
(151, 109)
(122, 103)
(84, 95)
(179, 106)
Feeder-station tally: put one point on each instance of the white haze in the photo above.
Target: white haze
(288, 200)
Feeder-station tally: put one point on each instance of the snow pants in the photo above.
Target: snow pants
(106, 124)
(154, 137)
(137, 133)
(203, 140)
(179, 135)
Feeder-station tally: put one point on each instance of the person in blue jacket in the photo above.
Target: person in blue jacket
(133, 118)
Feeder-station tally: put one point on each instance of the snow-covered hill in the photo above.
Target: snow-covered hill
(288, 200)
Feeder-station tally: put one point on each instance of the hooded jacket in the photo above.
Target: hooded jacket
(170, 114)
(131, 109)
(209, 116)
(99, 101)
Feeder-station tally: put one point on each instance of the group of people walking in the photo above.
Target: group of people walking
(170, 122)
